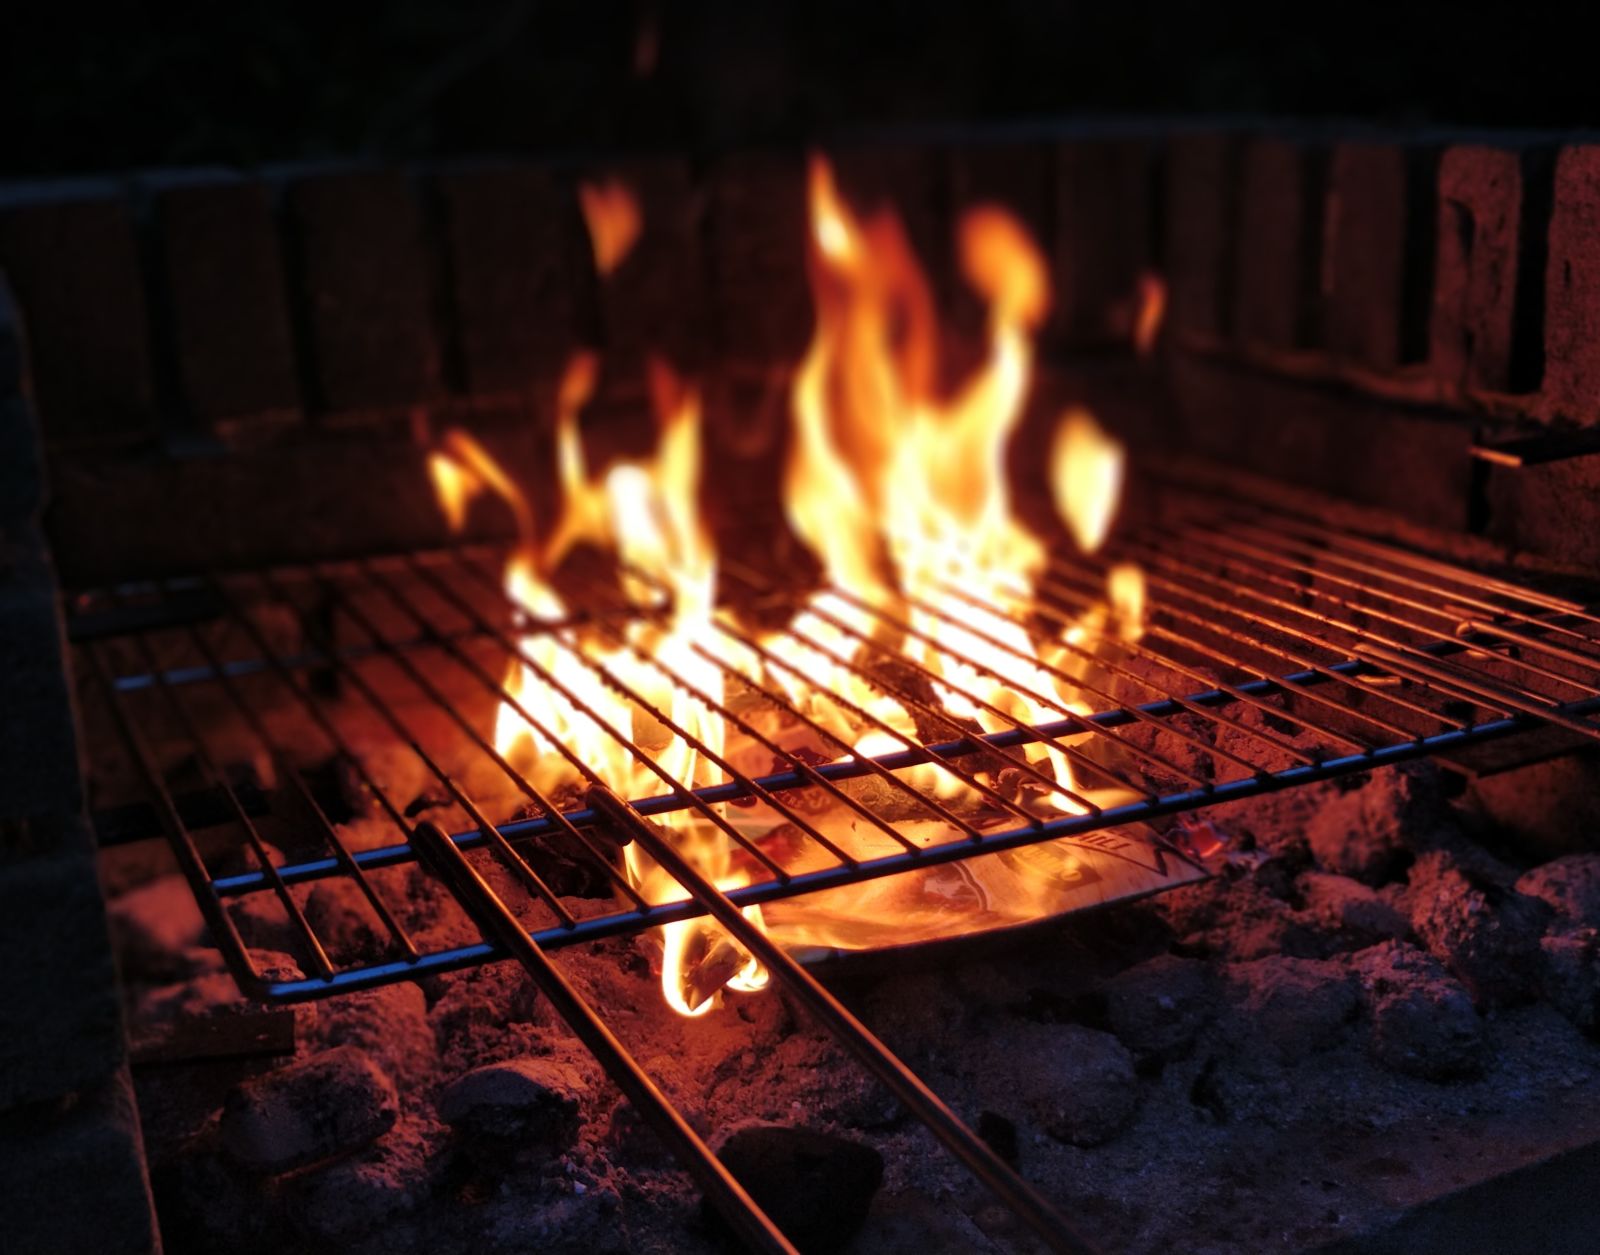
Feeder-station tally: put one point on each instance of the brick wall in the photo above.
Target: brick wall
(1354, 313)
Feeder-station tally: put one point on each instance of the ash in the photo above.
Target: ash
(1363, 1009)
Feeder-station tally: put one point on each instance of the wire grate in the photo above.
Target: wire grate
(1277, 651)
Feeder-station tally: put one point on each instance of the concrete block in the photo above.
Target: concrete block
(1572, 288)
(366, 281)
(75, 1176)
(1199, 232)
(1475, 268)
(518, 267)
(223, 267)
(73, 267)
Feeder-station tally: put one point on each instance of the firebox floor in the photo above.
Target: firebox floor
(1212, 1070)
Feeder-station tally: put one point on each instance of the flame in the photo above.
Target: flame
(1151, 310)
(612, 215)
(900, 488)
(1086, 478)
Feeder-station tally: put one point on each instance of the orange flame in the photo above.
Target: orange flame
(1151, 311)
(612, 215)
(903, 495)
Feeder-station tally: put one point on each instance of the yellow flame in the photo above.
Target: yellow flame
(1086, 478)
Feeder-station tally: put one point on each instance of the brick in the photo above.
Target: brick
(654, 301)
(1199, 232)
(1475, 268)
(75, 1176)
(516, 256)
(224, 273)
(1551, 510)
(1279, 224)
(1102, 237)
(1295, 432)
(38, 744)
(1572, 288)
(60, 1021)
(1364, 254)
(13, 345)
(366, 281)
(73, 267)
(760, 299)
(22, 480)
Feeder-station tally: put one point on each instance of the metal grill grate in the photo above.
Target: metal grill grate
(1277, 652)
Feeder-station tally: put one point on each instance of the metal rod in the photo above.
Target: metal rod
(1321, 594)
(519, 866)
(1419, 562)
(289, 772)
(1132, 646)
(1069, 826)
(298, 922)
(1298, 683)
(1441, 673)
(847, 769)
(499, 689)
(914, 754)
(987, 1166)
(223, 929)
(1090, 657)
(480, 901)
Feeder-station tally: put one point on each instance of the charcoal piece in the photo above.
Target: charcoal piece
(477, 1006)
(345, 922)
(153, 926)
(332, 1103)
(1352, 909)
(532, 1101)
(357, 1194)
(815, 1186)
(1076, 1084)
(1369, 832)
(390, 1022)
(1422, 1020)
(1572, 975)
(1158, 1007)
(1570, 885)
(1487, 936)
(1287, 1008)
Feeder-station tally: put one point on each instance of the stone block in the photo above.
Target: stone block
(760, 298)
(366, 282)
(1102, 237)
(223, 269)
(517, 261)
(1475, 269)
(1199, 232)
(73, 267)
(1572, 288)
(1280, 219)
(75, 1176)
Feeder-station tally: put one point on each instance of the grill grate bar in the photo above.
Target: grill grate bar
(1401, 621)
(1351, 674)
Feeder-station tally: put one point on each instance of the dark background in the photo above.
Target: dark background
(90, 88)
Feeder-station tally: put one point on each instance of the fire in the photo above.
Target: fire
(612, 215)
(1086, 478)
(902, 493)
